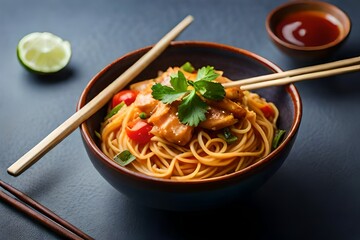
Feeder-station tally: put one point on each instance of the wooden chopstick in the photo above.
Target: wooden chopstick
(297, 78)
(96, 103)
(299, 74)
(35, 210)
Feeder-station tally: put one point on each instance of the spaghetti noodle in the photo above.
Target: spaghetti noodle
(223, 143)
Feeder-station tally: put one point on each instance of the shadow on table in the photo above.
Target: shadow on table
(227, 223)
(61, 76)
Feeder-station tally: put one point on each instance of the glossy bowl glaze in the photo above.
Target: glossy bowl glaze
(198, 194)
(329, 12)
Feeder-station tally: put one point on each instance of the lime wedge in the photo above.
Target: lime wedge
(43, 52)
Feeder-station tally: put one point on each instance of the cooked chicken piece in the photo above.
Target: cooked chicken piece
(142, 86)
(145, 102)
(221, 78)
(217, 119)
(228, 105)
(190, 76)
(167, 125)
(234, 93)
(164, 78)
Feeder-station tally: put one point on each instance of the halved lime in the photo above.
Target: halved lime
(43, 52)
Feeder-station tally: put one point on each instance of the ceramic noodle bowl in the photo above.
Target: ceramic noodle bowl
(204, 193)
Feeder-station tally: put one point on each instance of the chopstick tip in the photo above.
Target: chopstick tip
(190, 17)
(13, 172)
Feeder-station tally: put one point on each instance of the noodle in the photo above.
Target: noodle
(206, 155)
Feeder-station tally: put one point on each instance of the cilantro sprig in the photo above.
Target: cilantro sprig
(192, 108)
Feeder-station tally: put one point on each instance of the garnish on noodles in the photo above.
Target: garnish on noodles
(185, 125)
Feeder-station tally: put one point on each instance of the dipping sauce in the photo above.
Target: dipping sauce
(308, 28)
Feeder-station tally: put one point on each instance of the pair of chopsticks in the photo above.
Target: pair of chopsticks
(299, 74)
(35, 210)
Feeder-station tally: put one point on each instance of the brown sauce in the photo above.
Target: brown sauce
(308, 29)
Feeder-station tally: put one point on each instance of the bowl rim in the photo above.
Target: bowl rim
(293, 4)
(291, 90)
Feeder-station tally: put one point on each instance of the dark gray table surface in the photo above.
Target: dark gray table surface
(314, 195)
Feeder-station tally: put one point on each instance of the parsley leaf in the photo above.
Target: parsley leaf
(192, 109)
(178, 82)
(165, 94)
(210, 90)
(206, 73)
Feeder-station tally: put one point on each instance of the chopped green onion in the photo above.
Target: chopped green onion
(97, 134)
(228, 136)
(187, 67)
(124, 158)
(114, 110)
(143, 115)
(277, 138)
